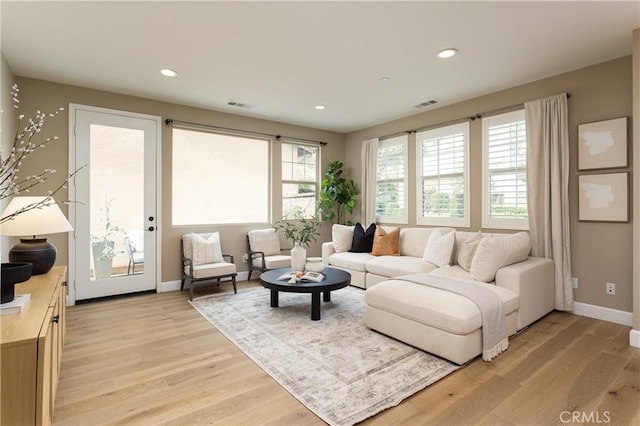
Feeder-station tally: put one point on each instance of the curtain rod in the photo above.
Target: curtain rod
(170, 122)
(458, 120)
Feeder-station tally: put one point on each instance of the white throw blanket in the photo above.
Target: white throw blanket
(495, 339)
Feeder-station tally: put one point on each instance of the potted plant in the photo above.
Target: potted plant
(103, 245)
(338, 195)
(300, 232)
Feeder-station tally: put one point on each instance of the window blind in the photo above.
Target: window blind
(442, 174)
(505, 195)
(391, 198)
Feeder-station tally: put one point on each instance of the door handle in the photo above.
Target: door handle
(151, 228)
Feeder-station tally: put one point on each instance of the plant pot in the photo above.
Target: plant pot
(12, 274)
(298, 257)
(101, 267)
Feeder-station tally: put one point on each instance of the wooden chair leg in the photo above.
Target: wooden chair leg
(233, 280)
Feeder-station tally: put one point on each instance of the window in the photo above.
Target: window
(505, 171)
(442, 176)
(219, 178)
(299, 180)
(391, 180)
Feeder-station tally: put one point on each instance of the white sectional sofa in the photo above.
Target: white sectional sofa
(435, 320)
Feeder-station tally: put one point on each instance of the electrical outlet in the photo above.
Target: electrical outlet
(611, 289)
(574, 282)
(245, 258)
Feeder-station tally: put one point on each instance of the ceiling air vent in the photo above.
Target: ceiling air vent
(424, 104)
(239, 104)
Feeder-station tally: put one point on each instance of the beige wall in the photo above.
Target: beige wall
(7, 132)
(636, 184)
(46, 96)
(601, 252)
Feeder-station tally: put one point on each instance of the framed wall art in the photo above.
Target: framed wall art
(603, 197)
(603, 144)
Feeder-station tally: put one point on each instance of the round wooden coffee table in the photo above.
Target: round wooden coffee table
(334, 279)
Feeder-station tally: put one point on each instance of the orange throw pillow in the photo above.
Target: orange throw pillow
(386, 243)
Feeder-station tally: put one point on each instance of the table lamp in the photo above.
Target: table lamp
(47, 219)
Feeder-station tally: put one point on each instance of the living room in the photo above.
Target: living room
(601, 252)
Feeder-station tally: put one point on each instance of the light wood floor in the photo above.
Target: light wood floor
(152, 359)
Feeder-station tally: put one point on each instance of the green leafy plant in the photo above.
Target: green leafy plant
(338, 195)
(299, 230)
(105, 240)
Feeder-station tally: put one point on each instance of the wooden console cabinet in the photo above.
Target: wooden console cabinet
(31, 351)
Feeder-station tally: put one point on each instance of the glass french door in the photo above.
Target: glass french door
(116, 226)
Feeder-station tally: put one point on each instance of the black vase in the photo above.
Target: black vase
(12, 274)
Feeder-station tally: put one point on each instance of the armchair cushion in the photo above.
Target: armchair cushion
(213, 270)
(206, 248)
(272, 262)
(264, 240)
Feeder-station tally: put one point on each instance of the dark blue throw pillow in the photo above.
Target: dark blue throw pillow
(363, 240)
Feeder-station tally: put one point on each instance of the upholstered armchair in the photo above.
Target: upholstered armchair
(203, 261)
(265, 252)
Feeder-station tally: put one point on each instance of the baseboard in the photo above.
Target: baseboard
(602, 313)
(634, 338)
(168, 286)
(175, 285)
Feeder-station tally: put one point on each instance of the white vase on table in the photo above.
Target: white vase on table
(298, 257)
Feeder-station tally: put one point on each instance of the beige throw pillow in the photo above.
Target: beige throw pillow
(439, 248)
(206, 250)
(342, 237)
(467, 250)
(495, 252)
(386, 243)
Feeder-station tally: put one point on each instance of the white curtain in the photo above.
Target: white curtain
(368, 184)
(548, 187)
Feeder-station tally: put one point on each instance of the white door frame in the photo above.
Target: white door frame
(71, 299)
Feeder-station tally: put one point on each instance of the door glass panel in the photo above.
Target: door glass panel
(116, 202)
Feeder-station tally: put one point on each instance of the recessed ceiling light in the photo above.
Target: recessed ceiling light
(385, 78)
(168, 73)
(447, 53)
(319, 107)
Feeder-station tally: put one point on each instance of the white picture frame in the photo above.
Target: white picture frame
(602, 144)
(603, 197)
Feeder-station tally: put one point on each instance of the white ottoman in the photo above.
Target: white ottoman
(436, 321)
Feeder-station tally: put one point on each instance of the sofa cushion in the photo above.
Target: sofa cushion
(342, 237)
(437, 308)
(495, 252)
(392, 266)
(386, 243)
(413, 241)
(348, 260)
(439, 248)
(363, 240)
(466, 251)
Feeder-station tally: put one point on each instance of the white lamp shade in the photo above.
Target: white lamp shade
(47, 219)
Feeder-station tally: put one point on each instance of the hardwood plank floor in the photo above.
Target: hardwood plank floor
(153, 360)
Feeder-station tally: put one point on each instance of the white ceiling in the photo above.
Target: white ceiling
(285, 57)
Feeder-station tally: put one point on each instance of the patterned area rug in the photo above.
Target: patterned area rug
(337, 367)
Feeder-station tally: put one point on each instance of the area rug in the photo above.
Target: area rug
(337, 367)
